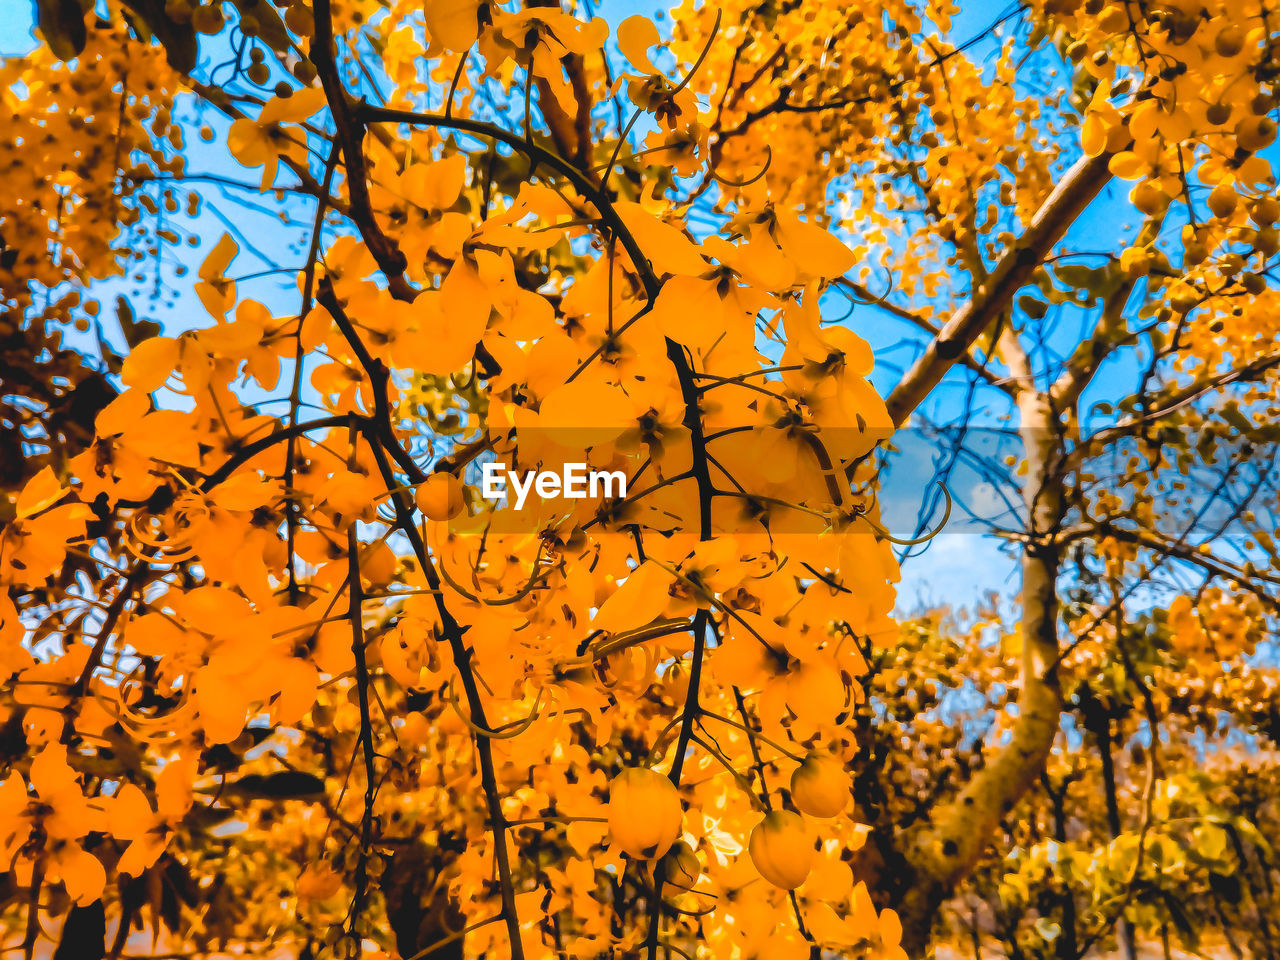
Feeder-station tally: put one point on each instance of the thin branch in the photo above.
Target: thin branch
(354, 600)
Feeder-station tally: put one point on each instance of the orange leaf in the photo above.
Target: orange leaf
(41, 491)
(298, 680)
(294, 109)
(122, 412)
(452, 25)
(149, 364)
(435, 186)
(815, 251)
(635, 36)
(638, 601)
(669, 250)
(222, 706)
(81, 872)
(1093, 135)
(219, 258)
(1128, 166)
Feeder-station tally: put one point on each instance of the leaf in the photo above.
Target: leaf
(1128, 166)
(41, 491)
(61, 23)
(151, 19)
(150, 364)
(667, 248)
(1145, 120)
(122, 412)
(862, 917)
(1093, 135)
(244, 491)
(635, 36)
(318, 881)
(298, 680)
(315, 327)
(815, 252)
(215, 264)
(130, 812)
(82, 873)
(454, 321)
(638, 601)
(435, 186)
(173, 788)
(586, 412)
(1211, 841)
(452, 25)
(284, 785)
(295, 108)
(1033, 307)
(222, 704)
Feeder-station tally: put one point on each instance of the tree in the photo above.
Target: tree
(283, 673)
(1127, 840)
(1173, 98)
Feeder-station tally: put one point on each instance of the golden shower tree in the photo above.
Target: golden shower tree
(283, 676)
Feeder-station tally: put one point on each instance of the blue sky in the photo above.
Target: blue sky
(15, 27)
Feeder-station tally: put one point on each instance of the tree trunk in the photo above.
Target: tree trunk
(942, 851)
(1100, 725)
(1067, 945)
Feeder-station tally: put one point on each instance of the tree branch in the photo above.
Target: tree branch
(932, 329)
(1188, 553)
(452, 631)
(944, 849)
(1182, 398)
(355, 597)
(1082, 183)
(350, 132)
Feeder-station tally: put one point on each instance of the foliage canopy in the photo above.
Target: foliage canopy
(280, 680)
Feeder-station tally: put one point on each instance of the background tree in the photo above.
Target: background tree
(1136, 371)
(281, 678)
